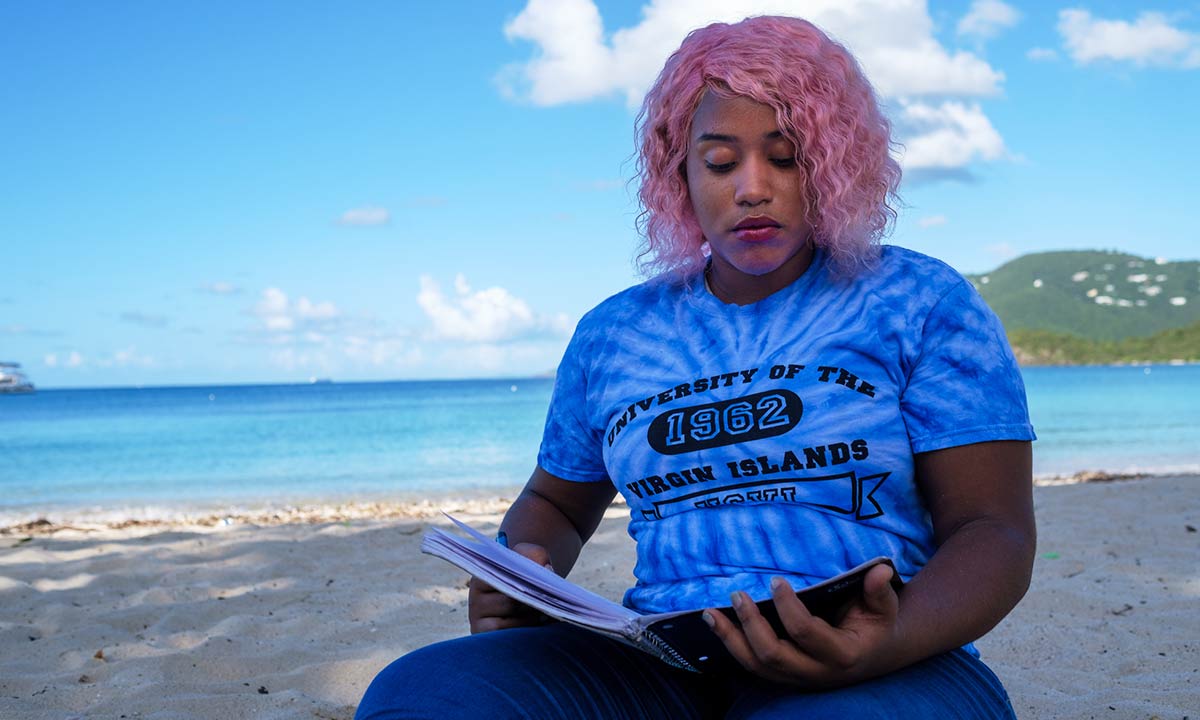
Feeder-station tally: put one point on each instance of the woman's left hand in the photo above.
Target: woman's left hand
(816, 654)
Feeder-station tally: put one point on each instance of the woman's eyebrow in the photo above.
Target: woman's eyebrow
(721, 137)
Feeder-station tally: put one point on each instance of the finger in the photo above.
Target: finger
(734, 640)
(879, 597)
(811, 635)
(491, 624)
(770, 650)
(485, 602)
(476, 586)
(536, 553)
(496, 616)
(485, 599)
(494, 603)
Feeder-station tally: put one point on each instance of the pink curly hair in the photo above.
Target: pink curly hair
(824, 105)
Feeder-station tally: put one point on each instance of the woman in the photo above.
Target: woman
(783, 401)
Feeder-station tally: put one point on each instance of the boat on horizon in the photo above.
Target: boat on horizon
(12, 380)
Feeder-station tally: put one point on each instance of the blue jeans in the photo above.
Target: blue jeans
(559, 671)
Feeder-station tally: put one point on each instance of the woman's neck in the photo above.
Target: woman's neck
(732, 286)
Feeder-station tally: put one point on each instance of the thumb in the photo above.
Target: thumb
(536, 553)
(878, 595)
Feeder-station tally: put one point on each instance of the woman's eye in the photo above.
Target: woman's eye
(784, 162)
(719, 167)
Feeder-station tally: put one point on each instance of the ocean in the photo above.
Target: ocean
(157, 451)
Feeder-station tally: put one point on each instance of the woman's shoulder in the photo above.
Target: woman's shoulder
(901, 261)
(634, 302)
(904, 277)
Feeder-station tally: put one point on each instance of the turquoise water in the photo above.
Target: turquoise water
(1123, 419)
(270, 444)
(121, 449)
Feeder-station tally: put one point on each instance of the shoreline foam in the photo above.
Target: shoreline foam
(212, 515)
(482, 502)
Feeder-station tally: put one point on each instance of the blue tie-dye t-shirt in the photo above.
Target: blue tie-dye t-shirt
(777, 438)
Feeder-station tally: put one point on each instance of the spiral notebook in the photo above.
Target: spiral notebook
(681, 639)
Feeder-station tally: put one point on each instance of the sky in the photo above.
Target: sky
(270, 192)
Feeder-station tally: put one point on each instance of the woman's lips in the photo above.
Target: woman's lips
(756, 229)
(756, 233)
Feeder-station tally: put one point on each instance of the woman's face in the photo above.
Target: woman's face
(748, 194)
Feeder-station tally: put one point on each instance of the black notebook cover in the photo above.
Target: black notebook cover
(689, 638)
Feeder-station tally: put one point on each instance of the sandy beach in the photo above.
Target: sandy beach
(290, 614)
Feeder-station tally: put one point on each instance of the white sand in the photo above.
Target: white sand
(292, 619)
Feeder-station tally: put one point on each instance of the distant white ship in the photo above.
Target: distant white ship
(12, 380)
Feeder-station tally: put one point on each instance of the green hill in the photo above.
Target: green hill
(1093, 295)
(1041, 347)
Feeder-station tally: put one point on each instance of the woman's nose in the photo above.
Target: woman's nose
(753, 183)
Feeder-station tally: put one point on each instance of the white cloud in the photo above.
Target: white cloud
(503, 359)
(932, 221)
(572, 59)
(365, 216)
(127, 358)
(1149, 40)
(309, 360)
(947, 136)
(381, 350)
(72, 359)
(309, 310)
(1040, 54)
(987, 18)
(484, 316)
(575, 60)
(330, 355)
(220, 288)
(278, 314)
(505, 335)
(322, 340)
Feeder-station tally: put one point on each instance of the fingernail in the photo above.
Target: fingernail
(735, 597)
(776, 583)
(708, 618)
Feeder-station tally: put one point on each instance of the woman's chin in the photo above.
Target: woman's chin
(758, 267)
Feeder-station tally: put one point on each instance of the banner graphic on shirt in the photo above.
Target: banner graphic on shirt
(845, 493)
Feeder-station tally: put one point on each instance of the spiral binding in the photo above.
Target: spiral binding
(668, 654)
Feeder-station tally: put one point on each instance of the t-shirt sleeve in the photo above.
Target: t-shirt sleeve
(571, 446)
(965, 386)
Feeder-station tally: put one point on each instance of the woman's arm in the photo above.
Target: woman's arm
(548, 522)
(980, 499)
(981, 503)
(559, 515)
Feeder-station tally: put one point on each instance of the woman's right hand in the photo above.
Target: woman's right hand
(558, 516)
(489, 609)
